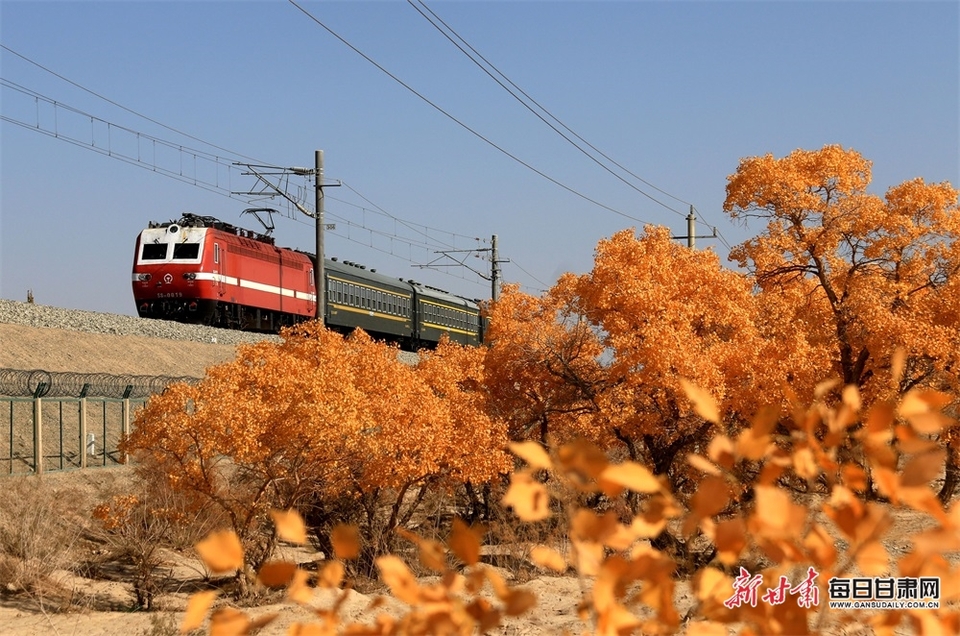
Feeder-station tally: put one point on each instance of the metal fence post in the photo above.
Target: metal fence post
(125, 430)
(37, 437)
(83, 432)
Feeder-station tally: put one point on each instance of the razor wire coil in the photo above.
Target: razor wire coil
(42, 383)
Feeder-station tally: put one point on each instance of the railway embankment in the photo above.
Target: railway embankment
(72, 340)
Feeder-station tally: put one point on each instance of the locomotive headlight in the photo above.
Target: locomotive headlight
(190, 276)
(143, 277)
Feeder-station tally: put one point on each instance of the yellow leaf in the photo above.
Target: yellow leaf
(228, 621)
(299, 589)
(918, 401)
(290, 526)
(310, 629)
(922, 469)
(897, 364)
(221, 551)
(721, 451)
(497, 582)
(873, 559)
(532, 453)
(631, 475)
(346, 541)
(711, 497)
(331, 576)
(399, 579)
(197, 607)
(276, 573)
(712, 586)
(548, 558)
(821, 546)
(518, 602)
(465, 542)
(706, 628)
(929, 423)
(853, 476)
(730, 539)
(851, 397)
(528, 497)
(703, 464)
(703, 402)
(805, 464)
(432, 554)
(824, 387)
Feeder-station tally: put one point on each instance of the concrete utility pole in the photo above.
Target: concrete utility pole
(494, 270)
(692, 231)
(495, 260)
(318, 267)
(272, 189)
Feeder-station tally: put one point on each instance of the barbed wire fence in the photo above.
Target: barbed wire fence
(51, 420)
(41, 383)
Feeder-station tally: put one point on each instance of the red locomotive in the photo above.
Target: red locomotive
(202, 270)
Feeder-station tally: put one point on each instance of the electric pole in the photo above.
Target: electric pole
(494, 270)
(691, 236)
(318, 267)
(495, 260)
(273, 189)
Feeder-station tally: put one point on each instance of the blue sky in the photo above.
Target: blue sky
(675, 92)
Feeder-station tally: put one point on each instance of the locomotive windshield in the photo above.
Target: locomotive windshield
(186, 251)
(154, 252)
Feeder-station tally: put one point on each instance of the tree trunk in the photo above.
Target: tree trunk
(951, 478)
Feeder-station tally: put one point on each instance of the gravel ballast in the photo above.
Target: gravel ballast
(29, 314)
(57, 339)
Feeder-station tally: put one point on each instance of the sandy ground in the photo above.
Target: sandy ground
(555, 613)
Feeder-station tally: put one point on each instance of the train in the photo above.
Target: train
(201, 270)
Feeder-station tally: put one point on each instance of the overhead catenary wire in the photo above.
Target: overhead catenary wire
(118, 105)
(233, 155)
(225, 163)
(458, 41)
(486, 66)
(462, 124)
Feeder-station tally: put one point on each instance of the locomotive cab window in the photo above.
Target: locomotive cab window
(154, 252)
(184, 251)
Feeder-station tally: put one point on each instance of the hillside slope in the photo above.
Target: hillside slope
(27, 347)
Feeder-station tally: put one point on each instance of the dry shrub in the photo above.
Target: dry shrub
(40, 529)
(134, 527)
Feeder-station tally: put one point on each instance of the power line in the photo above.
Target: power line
(120, 106)
(179, 132)
(460, 43)
(406, 224)
(450, 33)
(114, 148)
(460, 123)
